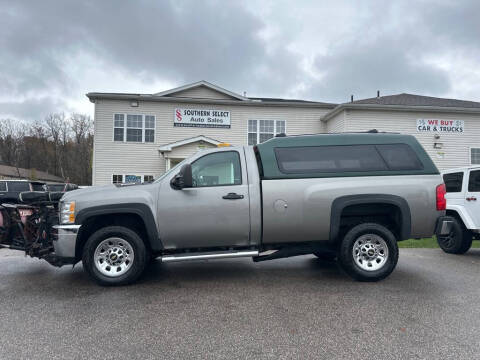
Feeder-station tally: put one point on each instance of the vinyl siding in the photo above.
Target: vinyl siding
(144, 158)
(202, 92)
(336, 124)
(188, 149)
(456, 147)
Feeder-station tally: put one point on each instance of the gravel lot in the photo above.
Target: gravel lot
(291, 308)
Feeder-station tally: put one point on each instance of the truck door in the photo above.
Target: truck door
(472, 196)
(215, 211)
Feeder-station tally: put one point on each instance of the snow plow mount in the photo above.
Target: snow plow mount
(29, 226)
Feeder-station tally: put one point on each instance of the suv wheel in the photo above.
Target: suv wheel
(115, 255)
(368, 252)
(458, 241)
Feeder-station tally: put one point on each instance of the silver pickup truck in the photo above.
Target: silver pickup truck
(345, 196)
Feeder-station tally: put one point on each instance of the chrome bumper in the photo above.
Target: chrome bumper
(66, 240)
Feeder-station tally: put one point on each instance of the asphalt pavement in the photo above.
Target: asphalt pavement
(296, 308)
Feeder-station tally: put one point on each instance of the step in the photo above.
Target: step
(209, 255)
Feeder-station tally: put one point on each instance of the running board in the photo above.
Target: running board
(206, 256)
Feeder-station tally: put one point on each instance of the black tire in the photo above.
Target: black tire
(140, 259)
(347, 260)
(458, 241)
(326, 255)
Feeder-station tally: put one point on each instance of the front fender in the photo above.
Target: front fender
(139, 209)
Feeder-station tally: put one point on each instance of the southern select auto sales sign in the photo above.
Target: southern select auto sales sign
(202, 118)
(441, 126)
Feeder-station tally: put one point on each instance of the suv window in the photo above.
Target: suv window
(337, 158)
(38, 187)
(18, 186)
(56, 187)
(217, 169)
(3, 186)
(474, 181)
(453, 182)
(399, 157)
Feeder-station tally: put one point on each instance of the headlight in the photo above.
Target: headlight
(67, 212)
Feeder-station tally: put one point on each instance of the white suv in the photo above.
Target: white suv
(463, 205)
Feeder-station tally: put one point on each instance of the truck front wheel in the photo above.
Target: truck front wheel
(368, 252)
(114, 255)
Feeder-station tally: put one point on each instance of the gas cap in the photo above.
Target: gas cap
(280, 206)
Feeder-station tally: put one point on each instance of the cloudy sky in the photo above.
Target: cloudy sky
(53, 52)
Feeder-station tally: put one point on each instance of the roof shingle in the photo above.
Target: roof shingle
(417, 100)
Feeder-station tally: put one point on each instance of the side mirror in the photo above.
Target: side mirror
(183, 179)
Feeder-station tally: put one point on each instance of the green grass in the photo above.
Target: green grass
(427, 243)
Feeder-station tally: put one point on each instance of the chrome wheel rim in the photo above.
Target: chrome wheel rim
(370, 252)
(113, 257)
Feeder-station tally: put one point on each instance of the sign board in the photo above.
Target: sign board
(202, 118)
(133, 179)
(441, 126)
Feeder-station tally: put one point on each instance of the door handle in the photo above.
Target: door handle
(473, 198)
(232, 196)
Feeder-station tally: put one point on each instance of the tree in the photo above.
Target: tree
(59, 145)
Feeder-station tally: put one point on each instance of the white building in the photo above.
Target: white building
(140, 136)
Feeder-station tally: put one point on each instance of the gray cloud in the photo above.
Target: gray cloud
(392, 47)
(386, 46)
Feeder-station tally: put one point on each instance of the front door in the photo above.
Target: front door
(214, 212)
(472, 196)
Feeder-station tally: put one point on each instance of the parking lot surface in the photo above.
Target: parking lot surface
(282, 309)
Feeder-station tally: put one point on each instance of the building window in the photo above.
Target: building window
(134, 128)
(118, 127)
(148, 178)
(475, 156)
(137, 128)
(149, 128)
(117, 179)
(262, 130)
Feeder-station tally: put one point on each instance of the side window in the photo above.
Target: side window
(18, 186)
(399, 157)
(327, 159)
(474, 181)
(38, 187)
(217, 169)
(3, 186)
(453, 182)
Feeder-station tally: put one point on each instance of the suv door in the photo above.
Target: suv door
(214, 212)
(472, 196)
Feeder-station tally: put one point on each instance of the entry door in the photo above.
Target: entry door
(472, 196)
(214, 212)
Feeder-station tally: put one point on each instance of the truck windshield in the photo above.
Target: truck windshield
(175, 168)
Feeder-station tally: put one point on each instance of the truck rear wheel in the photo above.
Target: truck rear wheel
(115, 255)
(458, 241)
(368, 252)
